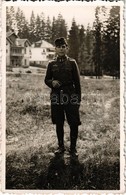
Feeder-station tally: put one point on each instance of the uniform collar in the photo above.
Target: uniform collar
(62, 59)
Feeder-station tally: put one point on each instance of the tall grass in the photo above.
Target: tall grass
(31, 138)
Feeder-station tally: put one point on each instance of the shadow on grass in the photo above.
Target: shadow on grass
(60, 172)
(63, 173)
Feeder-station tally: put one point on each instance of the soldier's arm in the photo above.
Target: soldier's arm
(76, 79)
(48, 77)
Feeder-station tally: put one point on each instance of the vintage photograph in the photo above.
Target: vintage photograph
(63, 82)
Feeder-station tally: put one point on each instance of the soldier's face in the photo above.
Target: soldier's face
(61, 50)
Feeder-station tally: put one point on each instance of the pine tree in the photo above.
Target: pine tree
(42, 27)
(59, 28)
(22, 23)
(81, 35)
(89, 49)
(48, 29)
(32, 26)
(54, 30)
(88, 39)
(85, 51)
(97, 50)
(111, 43)
(12, 13)
(11, 23)
(8, 19)
(18, 16)
(81, 54)
(38, 29)
(74, 40)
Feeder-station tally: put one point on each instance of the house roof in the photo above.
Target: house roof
(21, 42)
(8, 34)
(9, 40)
(43, 44)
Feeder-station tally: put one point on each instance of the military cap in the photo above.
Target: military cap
(60, 41)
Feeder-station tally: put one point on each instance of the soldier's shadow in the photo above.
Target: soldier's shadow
(64, 172)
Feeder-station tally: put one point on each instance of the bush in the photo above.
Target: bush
(9, 69)
(17, 74)
(28, 71)
(38, 65)
(39, 71)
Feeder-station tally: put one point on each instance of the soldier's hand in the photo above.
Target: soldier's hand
(56, 84)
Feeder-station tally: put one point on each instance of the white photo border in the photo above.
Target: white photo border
(122, 5)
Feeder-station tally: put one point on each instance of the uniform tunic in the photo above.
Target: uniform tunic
(67, 97)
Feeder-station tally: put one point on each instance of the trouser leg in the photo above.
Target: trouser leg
(60, 134)
(73, 136)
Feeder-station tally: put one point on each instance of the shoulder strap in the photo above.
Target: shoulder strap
(69, 62)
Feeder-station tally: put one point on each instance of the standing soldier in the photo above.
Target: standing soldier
(63, 78)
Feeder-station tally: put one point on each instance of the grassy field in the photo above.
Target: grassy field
(31, 137)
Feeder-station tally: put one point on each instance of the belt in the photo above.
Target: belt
(66, 84)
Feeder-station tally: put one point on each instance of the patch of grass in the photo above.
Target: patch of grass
(34, 170)
(18, 74)
(31, 138)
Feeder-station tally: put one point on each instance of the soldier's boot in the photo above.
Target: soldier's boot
(60, 136)
(73, 139)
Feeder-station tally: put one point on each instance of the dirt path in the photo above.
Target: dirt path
(108, 106)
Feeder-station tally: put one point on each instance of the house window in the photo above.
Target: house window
(25, 51)
(25, 62)
(43, 53)
(37, 44)
(6, 50)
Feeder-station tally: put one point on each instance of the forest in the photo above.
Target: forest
(96, 48)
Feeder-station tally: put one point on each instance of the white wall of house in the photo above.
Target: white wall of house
(38, 54)
(41, 55)
(17, 51)
(7, 53)
(26, 52)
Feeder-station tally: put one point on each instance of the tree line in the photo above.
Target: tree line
(96, 48)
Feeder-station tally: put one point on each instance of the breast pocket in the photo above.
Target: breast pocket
(68, 72)
(55, 72)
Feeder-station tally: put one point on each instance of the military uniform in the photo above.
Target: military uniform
(68, 96)
(65, 99)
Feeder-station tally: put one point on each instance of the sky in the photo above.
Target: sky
(82, 13)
